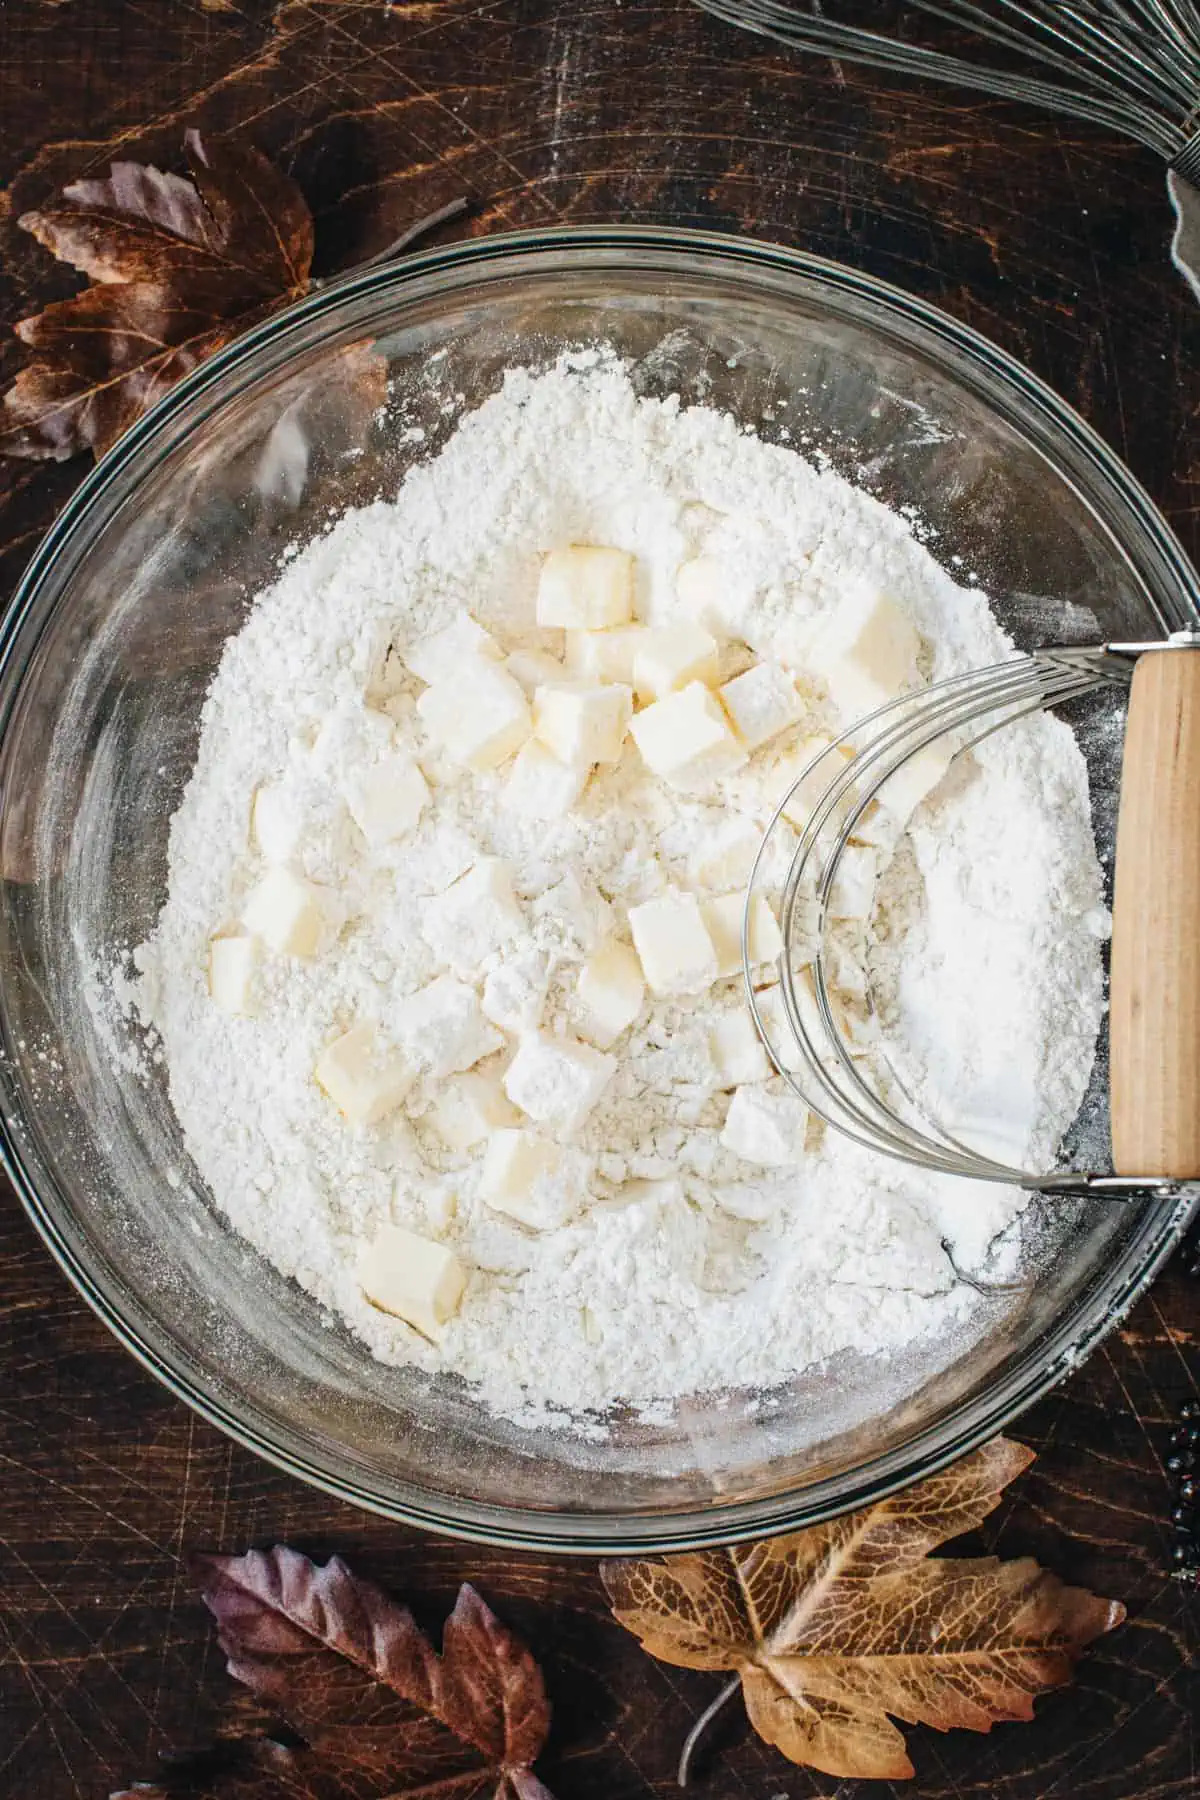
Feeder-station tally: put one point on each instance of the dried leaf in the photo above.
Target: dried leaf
(380, 1712)
(835, 1628)
(180, 268)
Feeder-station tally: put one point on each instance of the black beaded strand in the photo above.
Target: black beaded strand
(1182, 1461)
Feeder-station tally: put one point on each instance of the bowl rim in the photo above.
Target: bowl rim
(966, 1425)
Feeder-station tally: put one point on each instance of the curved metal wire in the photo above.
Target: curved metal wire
(1133, 65)
(862, 1095)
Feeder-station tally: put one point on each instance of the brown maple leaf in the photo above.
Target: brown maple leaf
(380, 1713)
(179, 268)
(832, 1629)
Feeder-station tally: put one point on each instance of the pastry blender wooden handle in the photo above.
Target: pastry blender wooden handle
(1155, 989)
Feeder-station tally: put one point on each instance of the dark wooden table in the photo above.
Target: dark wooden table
(1049, 237)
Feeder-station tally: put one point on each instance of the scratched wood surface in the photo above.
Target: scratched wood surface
(1052, 239)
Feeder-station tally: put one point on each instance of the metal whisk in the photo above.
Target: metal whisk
(1133, 65)
(841, 1068)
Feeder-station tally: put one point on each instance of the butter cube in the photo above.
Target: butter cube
(413, 1278)
(702, 585)
(772, 1010)
(363, 1077)
(539, 786)
(581, 724)
(585, 587)
(762, 703)
(845, 970)
(276, 822)
(475, 917)
(767, 1127)
(736, 1050)
(808, 785)
(514, 992)
(442, 1028)
(468, 1108)
(388, 677)
(723, 917)
(603, 655)
(670, 936)
(852, 1021)
(533, 669)
(531, 1180)
(866, 653)
(479, 716)
(852, 894)
(557, 1080)
(687, 739)
(915, 780)
(286, 913)
(441, 655)
(668, 657)
(231, 965)
(387, 799)
(610, 991)
(725, 854)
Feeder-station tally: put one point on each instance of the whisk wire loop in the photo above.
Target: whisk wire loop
(1132, 65)
(862, 1095)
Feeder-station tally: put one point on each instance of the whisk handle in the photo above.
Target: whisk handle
(1155, 991)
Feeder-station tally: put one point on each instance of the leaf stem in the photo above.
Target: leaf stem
(692, 1741)
(454, 209)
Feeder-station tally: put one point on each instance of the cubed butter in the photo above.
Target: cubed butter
(514, 991)
(687, 739)
(865, 652)
(762, 703)
(468, 1108)
(479, 716)
(702, 586)
(853, 1022)
(539, 786)
(442, 1028)
(529, 1179)
(585, 587)
(725, 853)
(387, 798)
(276, 822)
(673, 944)
(534, 668)
(475, 918)
(915, 780)
(669, 657)
(581, 724)
(765, 1126)
(805, 784)
(723, 916)
(231, 964)
(610, 990)
(363, 1076)
(603, 655)
(852, 894)
(286, 913)
(557, 1080)
(413, 1278)
(736, 1050)
(441, 655)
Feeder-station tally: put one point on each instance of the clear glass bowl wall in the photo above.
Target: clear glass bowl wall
(107, 652)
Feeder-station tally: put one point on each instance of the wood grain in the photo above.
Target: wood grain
(1155, 998)
(1050, 238)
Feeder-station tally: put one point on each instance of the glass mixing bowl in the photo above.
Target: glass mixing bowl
(107, 651)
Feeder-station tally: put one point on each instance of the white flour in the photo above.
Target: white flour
(988, 966)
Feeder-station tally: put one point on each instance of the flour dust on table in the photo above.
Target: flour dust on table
(448, 978)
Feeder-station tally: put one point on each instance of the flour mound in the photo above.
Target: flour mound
(984, 949)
